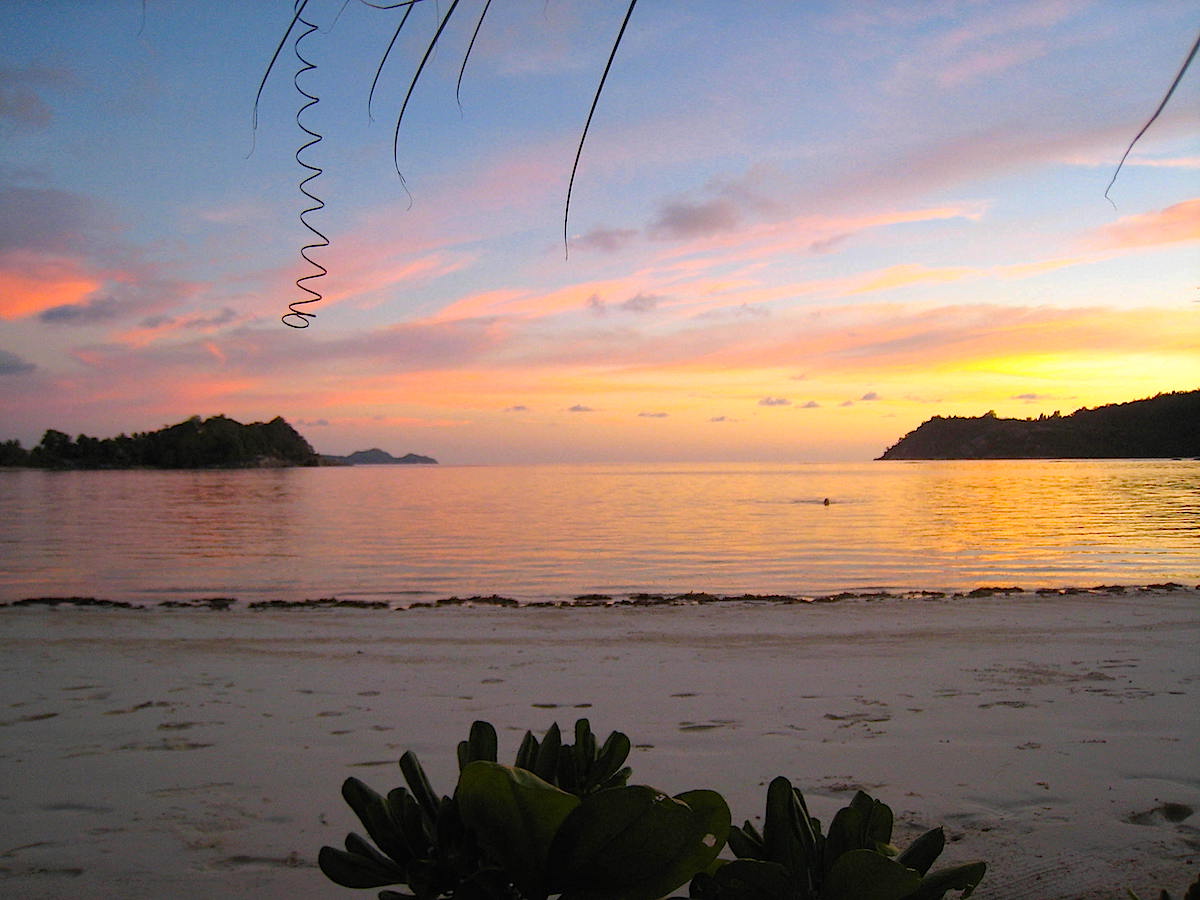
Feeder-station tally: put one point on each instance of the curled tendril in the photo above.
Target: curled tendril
(298, 318)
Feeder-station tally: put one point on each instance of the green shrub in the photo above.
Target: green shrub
(792, 860)
(563, 821)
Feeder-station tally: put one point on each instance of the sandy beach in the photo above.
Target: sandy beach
(199, 753)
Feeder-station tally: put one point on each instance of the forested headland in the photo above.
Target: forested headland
(216, 442)
(1162, 427)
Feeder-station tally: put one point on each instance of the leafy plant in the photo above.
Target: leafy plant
(630, 842)
(792, 860)
(510, 834)
(420, 840)
(564, 822)
(581, 768)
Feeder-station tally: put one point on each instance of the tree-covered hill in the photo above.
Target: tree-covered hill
(1164, 426)
(216, 442)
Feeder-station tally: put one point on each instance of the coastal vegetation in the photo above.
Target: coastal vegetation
(214, 443)
(195, 443)
(563, 821)
(1160, 427)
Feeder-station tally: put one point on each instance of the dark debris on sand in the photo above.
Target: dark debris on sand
(687, 598)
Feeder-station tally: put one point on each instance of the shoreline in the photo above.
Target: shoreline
(1054, 737)
(581, 601)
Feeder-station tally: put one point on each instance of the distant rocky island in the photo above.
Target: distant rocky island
(1162, 427)
(377, 457)
(214, 443)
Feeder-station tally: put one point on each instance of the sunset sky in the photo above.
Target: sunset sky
(798, 229)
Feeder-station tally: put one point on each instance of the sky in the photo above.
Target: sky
(797, 230)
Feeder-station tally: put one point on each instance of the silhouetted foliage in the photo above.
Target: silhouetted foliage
(195, 443)
(1160, 427)
(13, 454)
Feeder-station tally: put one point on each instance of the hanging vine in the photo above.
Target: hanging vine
(301, 28)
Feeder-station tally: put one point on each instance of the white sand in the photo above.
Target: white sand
(198, 753)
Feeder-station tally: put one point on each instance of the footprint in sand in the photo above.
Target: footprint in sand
(292, 861)
(1165, 812)
(708, 726)
(35, 717)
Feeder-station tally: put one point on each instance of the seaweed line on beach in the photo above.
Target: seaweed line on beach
(582, 601)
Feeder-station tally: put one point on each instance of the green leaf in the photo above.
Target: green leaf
(585, 747)
(527, 752)
(745, 879)
(607, 771)
(877, 823)
(546, 764)
(614, 752)
(514, 816)
(746, 842)
(867, 875)
(372, 810)
(965, 878)
(355, 871)
(636, 843)
(790, 836)
(921, 854)
(419, 784)
(414, 829)
(866, 824)
(481, 743)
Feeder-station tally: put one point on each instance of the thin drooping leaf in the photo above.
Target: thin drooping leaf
(467, 55)
(383, 59)
(412, 84)
(275, 58)
(586, 125)
(1161, 106)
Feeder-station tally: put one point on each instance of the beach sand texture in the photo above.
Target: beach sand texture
(199, 753)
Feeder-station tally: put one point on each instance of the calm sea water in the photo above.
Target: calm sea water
(539, 533)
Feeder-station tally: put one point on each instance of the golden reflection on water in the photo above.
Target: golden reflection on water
(549, 532)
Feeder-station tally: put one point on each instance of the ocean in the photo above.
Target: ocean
(406, 535)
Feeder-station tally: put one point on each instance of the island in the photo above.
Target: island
(377, 457)
(1165, 426)
(195, 443)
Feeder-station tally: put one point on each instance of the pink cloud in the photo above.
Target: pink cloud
(32, 282)
(1172, 225)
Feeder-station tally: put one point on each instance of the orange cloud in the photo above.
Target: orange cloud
(1027, 270)
(1174, 224)
(32, 283)
(909, 274)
